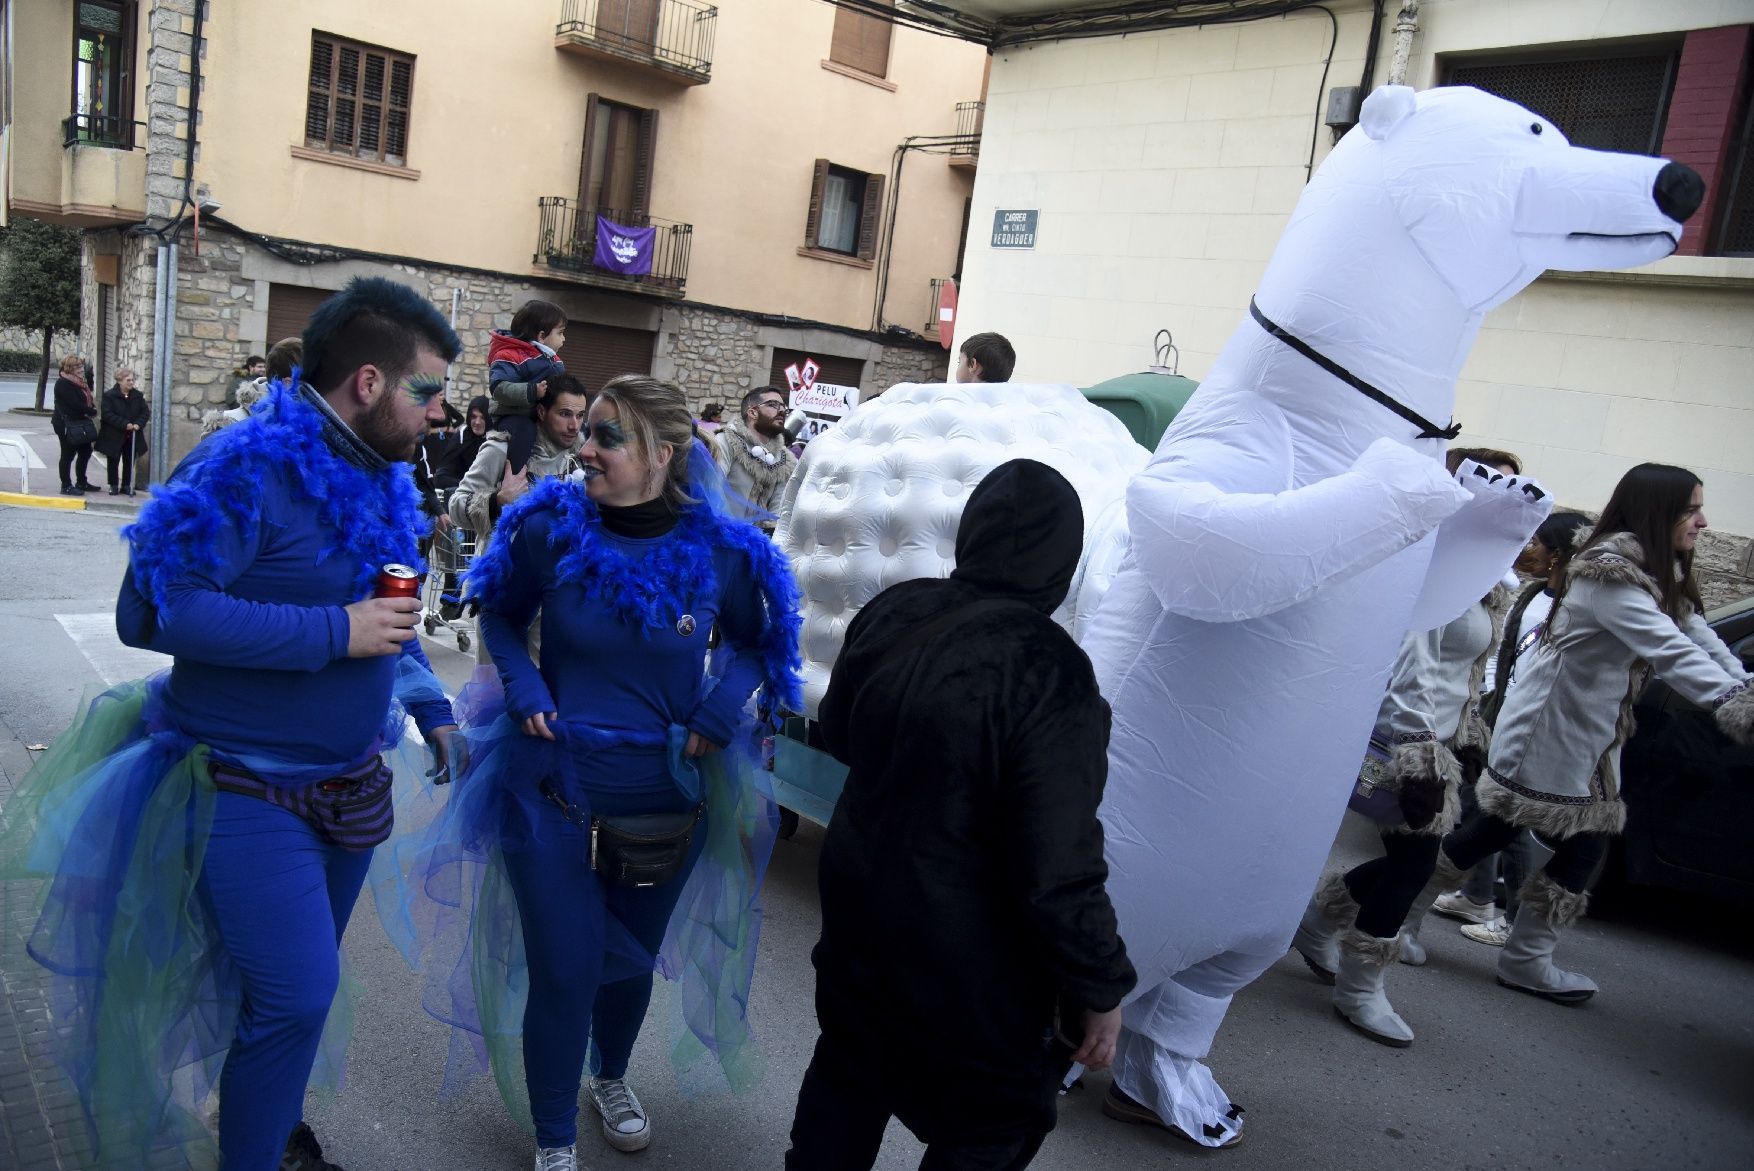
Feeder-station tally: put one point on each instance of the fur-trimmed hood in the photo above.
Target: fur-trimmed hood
(1618, 559)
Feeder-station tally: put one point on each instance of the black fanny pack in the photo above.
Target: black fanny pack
(636, 849)
(643, 849)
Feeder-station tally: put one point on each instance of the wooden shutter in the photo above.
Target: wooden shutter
(594, 353)
(861, 41)
(818, 187)
(871, 217)
(586, 151)
(289, 307)
(647, 152)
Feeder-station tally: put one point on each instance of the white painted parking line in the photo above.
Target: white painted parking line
(95, 636)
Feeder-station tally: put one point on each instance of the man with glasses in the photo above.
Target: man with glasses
(753, 454)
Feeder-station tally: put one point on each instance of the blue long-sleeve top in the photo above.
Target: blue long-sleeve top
(249, 598)
(609, 671)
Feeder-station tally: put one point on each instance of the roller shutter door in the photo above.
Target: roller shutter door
(289, 307)
(596, 353)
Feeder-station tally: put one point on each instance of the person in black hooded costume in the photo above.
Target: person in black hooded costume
(965, 920)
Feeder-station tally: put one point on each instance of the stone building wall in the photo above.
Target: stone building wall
(906, 364)
(29, 341)
(713, 356)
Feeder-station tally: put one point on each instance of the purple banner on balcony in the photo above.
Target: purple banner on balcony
(624, 250)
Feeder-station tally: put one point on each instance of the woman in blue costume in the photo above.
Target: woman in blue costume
(631, 572)
(192, 847)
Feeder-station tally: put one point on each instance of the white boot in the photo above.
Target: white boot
(1358, 988)
(1526, 963)
(1412, 951)
(1331, 910)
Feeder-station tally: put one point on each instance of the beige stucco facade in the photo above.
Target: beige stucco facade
(81, 185)
(498, 120)
(1164, 166)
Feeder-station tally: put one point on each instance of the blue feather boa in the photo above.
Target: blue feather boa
(375, 516)
(653, 590)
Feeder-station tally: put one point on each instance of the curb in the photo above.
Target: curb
(64, 503)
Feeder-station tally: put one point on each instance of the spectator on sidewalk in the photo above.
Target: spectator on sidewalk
(986, 357)
(968, 943)
(712, 417)
(75, 425)
(122, 440)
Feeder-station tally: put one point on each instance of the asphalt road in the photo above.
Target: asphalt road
(1656, 1072)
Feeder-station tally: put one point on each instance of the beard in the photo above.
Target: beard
(379, 430)
(767, 428)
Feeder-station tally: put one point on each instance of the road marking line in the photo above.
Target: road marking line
(95, 636)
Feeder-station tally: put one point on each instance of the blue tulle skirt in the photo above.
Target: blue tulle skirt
(446, 901)
(101, 851)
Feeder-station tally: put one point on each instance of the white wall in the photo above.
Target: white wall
(1164, 167)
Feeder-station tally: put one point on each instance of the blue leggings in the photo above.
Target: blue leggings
(280, 897)
(562, 905)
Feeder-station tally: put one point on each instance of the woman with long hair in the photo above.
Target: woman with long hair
(1628, 607)
(1427, 743)
(1544, 559)
(622, 756)
(75, 425)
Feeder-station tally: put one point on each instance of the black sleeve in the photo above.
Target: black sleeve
(1057, 769)
(834, 713)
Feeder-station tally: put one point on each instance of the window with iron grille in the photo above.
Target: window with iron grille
(1736, 230)
(1605, 103)
(359, 100)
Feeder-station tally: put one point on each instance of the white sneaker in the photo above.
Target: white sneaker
(1456, 905)
(625, 1125)
(557, 1159)
(1492, 934)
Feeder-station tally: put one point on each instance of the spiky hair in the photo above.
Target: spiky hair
(373, 321)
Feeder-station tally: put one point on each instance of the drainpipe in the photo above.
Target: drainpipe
(161, 385)
(451, 367)
(1406, 24)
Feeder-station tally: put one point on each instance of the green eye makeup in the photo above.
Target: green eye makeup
(422, 388)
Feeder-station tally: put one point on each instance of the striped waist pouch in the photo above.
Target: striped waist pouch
(352, 810)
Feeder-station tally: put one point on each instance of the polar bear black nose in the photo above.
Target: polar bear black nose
(1679, 191)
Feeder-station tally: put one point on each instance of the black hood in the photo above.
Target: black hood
(1021, 535)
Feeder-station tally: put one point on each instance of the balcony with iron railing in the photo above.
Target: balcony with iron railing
(568, 239)
(969, 118)
(934, 314)
(672, 39)
(103, 170)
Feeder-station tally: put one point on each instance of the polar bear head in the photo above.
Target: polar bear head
(1493, 195)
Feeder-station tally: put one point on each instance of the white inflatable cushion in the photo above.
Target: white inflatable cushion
(878, 498)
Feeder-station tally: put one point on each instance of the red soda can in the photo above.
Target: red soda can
(397, 581)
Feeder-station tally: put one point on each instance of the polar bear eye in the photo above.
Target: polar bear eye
(1534, 128)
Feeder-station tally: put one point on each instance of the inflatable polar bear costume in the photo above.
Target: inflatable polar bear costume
(1291, 528)
(878, 498)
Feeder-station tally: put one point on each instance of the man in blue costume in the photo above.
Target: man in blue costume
(253, 567)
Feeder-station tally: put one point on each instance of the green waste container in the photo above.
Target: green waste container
(1145, 403)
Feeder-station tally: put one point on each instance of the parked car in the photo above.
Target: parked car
(1689, 791)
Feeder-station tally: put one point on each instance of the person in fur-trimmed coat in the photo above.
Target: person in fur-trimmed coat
(1429, 740)
(752, 452)
(1629, 607)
